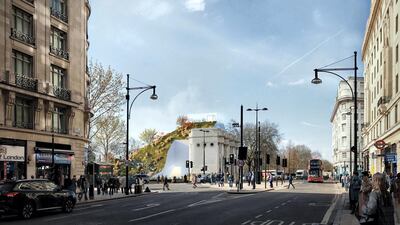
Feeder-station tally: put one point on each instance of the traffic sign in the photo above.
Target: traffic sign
(380, 144)
(241, 163)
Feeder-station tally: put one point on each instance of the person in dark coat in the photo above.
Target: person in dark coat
(355, 186)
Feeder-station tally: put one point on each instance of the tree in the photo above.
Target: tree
(181, 120)
(328, 166)
(148, 136)
(104, 94)
(109, 137)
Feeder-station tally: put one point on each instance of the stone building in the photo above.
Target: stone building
(380, 55)
(342, 120)
(43, 86)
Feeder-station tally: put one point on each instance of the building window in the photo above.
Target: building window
(59, 120)
(22, 28)
(397, 83)
(58, 43)
(22, 63)
(343, 126)
(59, 9)
(344, 142)
(23, 113)
(344, 116)
(344, 155)
(395, 114)
(397, 23)
(58, 76)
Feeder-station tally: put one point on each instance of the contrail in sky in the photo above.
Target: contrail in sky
(308, 53)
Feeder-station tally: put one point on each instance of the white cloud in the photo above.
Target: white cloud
(270, 84)
(152, 9)
(195, 5)
(297, 82)
(310, 124)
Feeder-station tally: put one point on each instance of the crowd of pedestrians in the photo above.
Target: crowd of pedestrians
(373, 198)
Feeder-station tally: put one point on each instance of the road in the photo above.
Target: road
(305, 205)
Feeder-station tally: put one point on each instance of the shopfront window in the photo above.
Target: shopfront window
(12, 162)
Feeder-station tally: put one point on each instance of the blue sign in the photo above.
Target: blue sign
(391, 157)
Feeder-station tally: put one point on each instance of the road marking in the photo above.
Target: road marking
(328, 213)
(77, 214)
(246, 222)
(258, 216)
(275, 222)
(283, 203)
(152, 215)
(90, 207)
(147, 207)
(276, 207)
(216, 196)
(292, 223)
(269, 211)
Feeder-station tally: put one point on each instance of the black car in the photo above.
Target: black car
(25, 197)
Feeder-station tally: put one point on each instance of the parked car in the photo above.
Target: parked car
(25, 197)
(145, 178)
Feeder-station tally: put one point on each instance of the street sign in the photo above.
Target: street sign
(380, 144)
(391, 157)
(241, 163)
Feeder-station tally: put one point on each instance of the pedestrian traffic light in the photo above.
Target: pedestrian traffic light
(242, 153)
(231, 158)
(268, 159)
(278, 160)
(191, 164)
(284, 163)
(187, 163)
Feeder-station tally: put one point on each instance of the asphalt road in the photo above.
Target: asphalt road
(305, 205)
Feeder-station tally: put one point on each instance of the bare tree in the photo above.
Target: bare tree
(109, 137)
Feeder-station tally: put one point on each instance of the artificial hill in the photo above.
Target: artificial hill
(151, 158)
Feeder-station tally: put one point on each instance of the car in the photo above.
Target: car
(204, 178)
(145, 178)
(25, 197)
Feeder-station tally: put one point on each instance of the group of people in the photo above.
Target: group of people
(371, 196)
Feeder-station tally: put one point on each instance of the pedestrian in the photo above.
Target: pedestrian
(379, 209)
(291, 182)
(230, 180)
(366, 188)
(158, 179)
(355, 186)
(73, 184)
(32, 177)
(271, 180)
(185, 178)
(165, 183)
(194, 181)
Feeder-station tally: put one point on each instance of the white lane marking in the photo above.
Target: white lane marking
(203, 202)
(216, 196)
(89, 207)
(283, 203)
(269, 211)
(328, 213)
(152, 215)
(292, 223)
(147, 207)
(246, 222)
(276, 207)
(277, 222)
(289, 201)
(242, 196)
(258, 216)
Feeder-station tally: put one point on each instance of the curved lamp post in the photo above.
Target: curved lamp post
(317, 80)
(204, 149)
(128, 112)
(257, 158)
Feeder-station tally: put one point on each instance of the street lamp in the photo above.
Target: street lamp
(349, 114)
(317, 80)
(257, 161)
(128, 112)
(204, 149)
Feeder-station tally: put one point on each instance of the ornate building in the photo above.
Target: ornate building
(43, 86)
(380, 54)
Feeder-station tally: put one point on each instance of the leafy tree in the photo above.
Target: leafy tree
(148, 136)
(328, 166)
(181, 120)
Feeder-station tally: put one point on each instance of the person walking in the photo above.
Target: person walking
(194, 181)
(379, 209)
(271, 180)
(291, 182)
(355, 186)
(366, 188)
(165, 185)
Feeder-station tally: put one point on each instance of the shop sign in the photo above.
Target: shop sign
(12, 153)
(46, 158)
(391, 157)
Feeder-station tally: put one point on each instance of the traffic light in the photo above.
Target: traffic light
(353, 148)
(284, 163)
(278, 160)
(231, 158)
(191, 164)
(242, 153)
(268, 159)
(187, 163)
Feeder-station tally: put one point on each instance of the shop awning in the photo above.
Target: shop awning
(56, 151)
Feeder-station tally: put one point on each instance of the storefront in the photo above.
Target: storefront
(12, 159)
(44, 160)
(390, 159)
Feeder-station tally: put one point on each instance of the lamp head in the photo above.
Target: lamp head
(154, 95)
(316, 80)
(264, 109)
(249, 110)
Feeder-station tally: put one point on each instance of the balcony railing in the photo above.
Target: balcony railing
(58, 14)
(62, 93)
(21, 124)
(59, 52)
(22, 37)
(25, 82)
(59, 130)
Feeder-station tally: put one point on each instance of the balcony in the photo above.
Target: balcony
(25, 82)
(21, 124)
(59, 52)
(59, 15)
(59, 130)
(62, 93)
(26, 38)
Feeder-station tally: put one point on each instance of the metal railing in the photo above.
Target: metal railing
(22, 124)
(59, 52)
(58, 14)
(25, 82)
(62, 93)
(18, 35)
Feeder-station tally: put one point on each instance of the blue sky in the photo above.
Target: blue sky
(214, 55)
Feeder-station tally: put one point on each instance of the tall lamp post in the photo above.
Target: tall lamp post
(204, 149)
(256, 163)
(316, 80)
(128, 112)
(349, 114)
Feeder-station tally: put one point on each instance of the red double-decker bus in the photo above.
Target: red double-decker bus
(315, 169)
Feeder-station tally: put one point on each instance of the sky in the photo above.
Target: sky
(211, 56)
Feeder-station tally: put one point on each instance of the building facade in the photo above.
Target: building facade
(214, 147)
(43, 87)
(380, 55)
(342, 120)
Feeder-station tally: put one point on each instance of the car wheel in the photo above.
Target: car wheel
(68, 206)
(27, 210)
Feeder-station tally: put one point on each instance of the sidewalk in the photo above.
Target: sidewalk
(106, 197)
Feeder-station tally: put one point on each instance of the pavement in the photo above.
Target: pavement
(308, 204)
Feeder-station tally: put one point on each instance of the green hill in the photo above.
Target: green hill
(151, 158)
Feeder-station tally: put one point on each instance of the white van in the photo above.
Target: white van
(301, 174)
